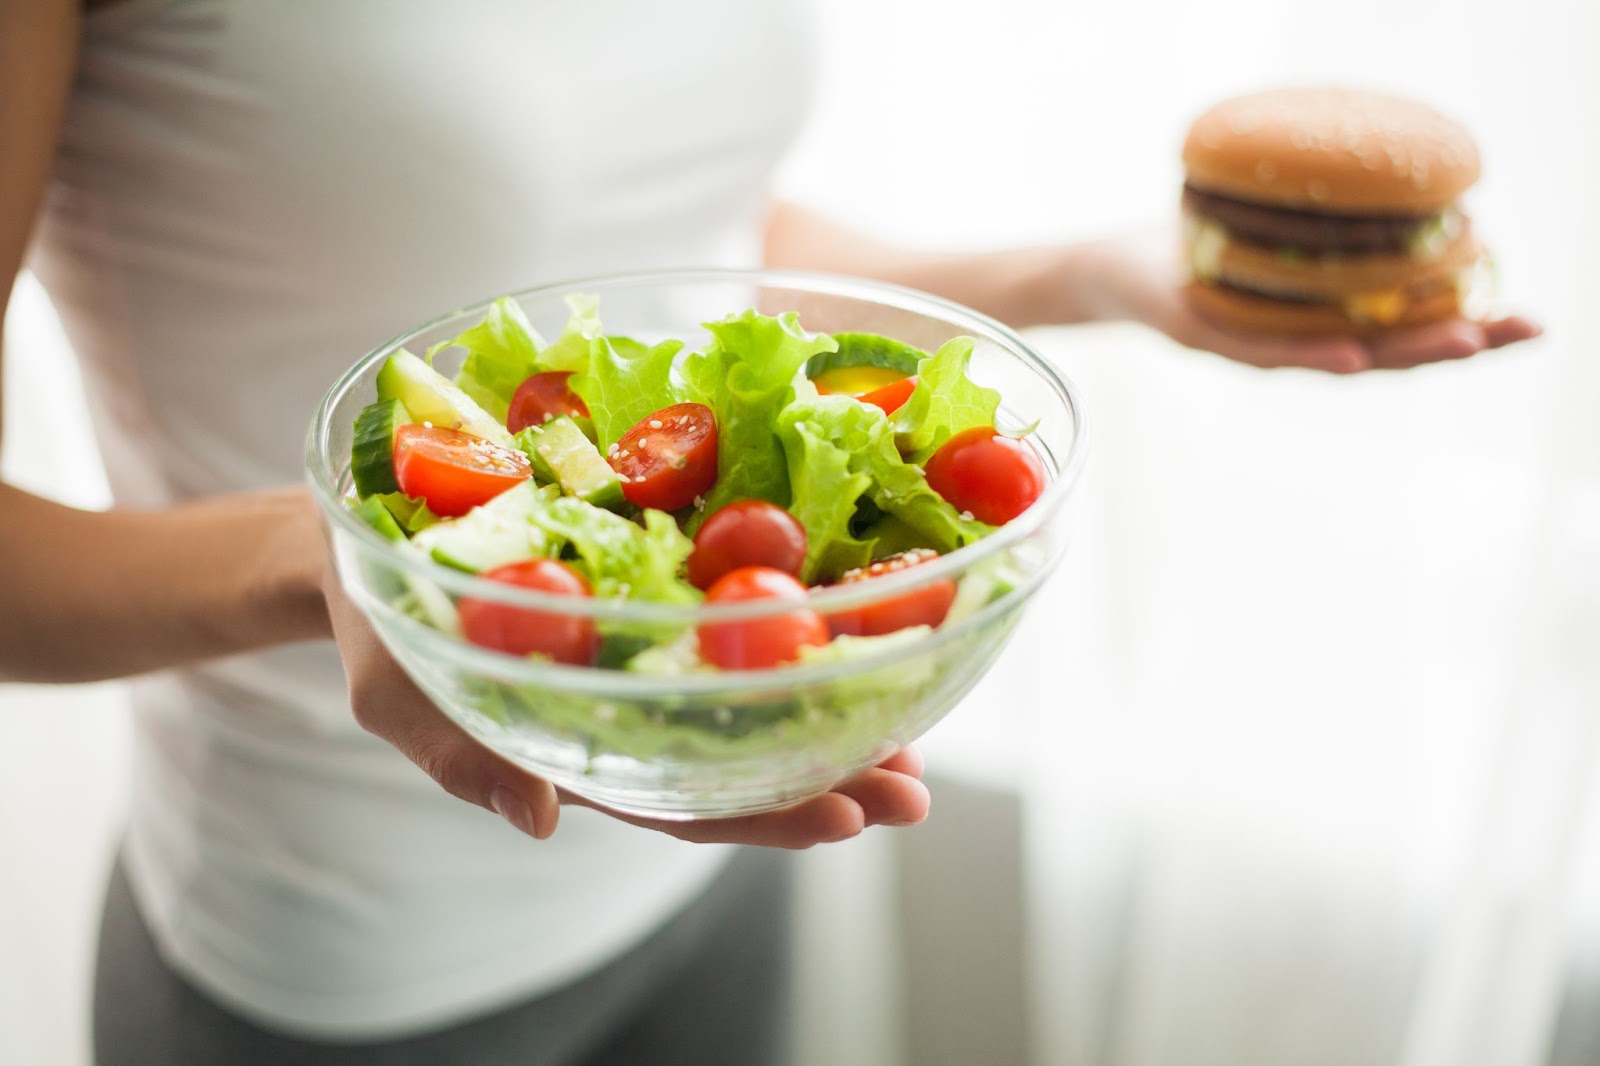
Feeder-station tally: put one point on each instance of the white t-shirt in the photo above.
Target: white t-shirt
(250, 194)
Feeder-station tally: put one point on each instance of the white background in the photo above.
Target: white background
(1304, 726)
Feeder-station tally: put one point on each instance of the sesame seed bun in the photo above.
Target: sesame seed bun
(1327, 211)
(1338, 151)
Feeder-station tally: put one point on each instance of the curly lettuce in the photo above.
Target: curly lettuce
(502, 351)
(945, 402)
(624, 383)
(620, 558)
(841, 451)
(747, 377)
(571, 350)
(824, 491)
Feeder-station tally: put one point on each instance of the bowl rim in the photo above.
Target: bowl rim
(321, 469)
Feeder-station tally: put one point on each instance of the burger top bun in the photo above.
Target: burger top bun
(1331, 150)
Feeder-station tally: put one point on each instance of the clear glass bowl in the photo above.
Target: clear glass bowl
(710, 744)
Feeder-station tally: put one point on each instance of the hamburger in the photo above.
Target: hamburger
(1327, 211)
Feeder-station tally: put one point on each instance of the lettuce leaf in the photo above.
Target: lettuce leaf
(502, 351)
(372, 511)
(823, 487)
(890, 536)
(839, 450)
(746, 376)
(571, 349)
(624, 382)
(900, 489)
(662, 554)
(410, 512)
(619, 557)
(944, 403)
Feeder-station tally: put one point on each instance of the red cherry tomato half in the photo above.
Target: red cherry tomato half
(567, 639)
(543, 397)
(669, 458)
(747, 533)
(452, 470)
(759, 643)
(891, 398)
(925, 605)
(994, 478)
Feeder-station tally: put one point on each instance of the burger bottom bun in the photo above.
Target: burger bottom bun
(1243, 312)
(1328, 278)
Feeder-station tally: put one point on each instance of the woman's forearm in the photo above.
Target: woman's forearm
(88, 595)
(1019, 286)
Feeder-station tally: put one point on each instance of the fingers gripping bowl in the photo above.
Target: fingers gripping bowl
(635, 702)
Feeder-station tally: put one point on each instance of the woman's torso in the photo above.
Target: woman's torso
(249, 195)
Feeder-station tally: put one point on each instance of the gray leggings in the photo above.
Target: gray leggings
(711, 987)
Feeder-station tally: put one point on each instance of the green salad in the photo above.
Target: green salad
(761, 464)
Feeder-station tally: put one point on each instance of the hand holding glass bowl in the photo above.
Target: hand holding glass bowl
(651, 729)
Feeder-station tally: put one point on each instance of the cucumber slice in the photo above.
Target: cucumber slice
(431, 397)
(382, 579)
(373, 512)
(867, 349)
(619, 649)
(981, 586)
(561, 453)
(491, 534)
(429, 602)
(372, 447)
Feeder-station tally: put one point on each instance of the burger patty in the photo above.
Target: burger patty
(1278, 227)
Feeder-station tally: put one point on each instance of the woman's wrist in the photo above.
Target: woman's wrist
(281, 598)
(1060, 284)
(1072, 284)
(1050, 285)
(95, 595)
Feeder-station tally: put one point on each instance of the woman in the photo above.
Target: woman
(228, 200)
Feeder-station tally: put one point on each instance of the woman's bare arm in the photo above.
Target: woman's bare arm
(90, 595)
(38, 50)
(87, 595)
(1135, 278)
(1018, 286)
